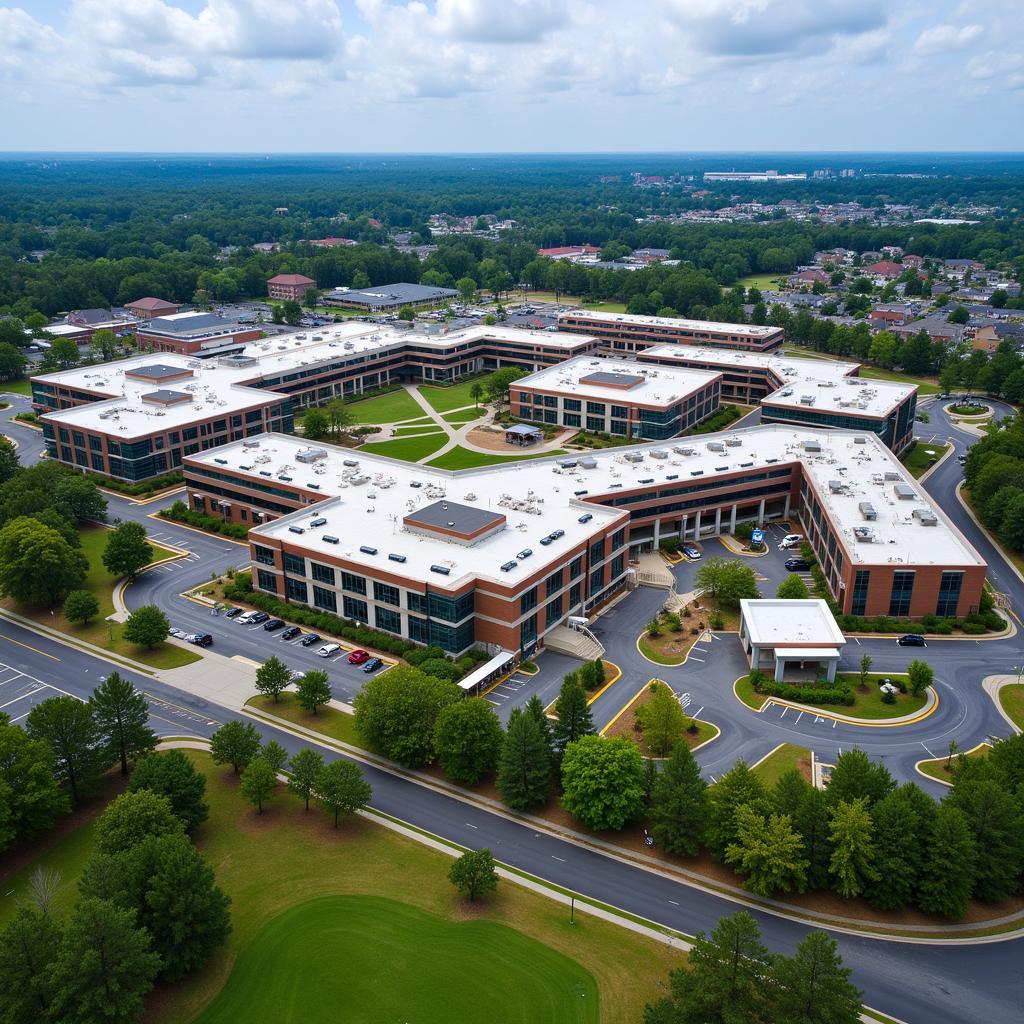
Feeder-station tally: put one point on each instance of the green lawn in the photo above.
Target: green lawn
(108, 634)
(411, 449)
(454, 397)
(780, 761)
(463, 416)
(363, 958)
(648, 650)
(1012, 700)
(17, 387)
(917, 459)
(605, 307)
(763, 282)
(866, 705)
(924, 387)
(339, 725)
(423, 430)
(936, 769)
(463, 458)
(389, 408)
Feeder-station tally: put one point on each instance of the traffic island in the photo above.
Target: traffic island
(655, 720)
(942, 769)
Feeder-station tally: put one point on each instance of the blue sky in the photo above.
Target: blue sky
(511, 75)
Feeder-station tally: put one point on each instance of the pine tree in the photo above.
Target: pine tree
(813, 987)
(855, 776)
(768, 852)
(852, 864)
(28, 947)
(813, 821)
(121, 714)
(736, 787)
(679, 804)
(524, 767)
(789, 791)
(104, 968)
(535, 709)
(995, 818)
(948, 875)
(574, 718)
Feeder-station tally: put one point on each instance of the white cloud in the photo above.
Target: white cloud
(500, 21)
(946, 39)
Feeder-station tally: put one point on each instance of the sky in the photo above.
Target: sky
(305, 76)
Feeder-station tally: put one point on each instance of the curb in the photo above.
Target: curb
(992, 685)
(997, 544)
(929, 760)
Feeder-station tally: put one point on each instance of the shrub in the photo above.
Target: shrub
(717, 620)
(181, 513)
(973, 628)
(158, 483)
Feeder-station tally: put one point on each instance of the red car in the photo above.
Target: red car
(358, 657)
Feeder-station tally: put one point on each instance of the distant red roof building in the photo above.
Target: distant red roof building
(289, 286)
(885, 268)
(149, 307)
(809, 277)
(561, 252)
(374, 223)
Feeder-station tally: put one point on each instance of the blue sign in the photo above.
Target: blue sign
(757, 537)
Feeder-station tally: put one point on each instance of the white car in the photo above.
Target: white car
(791, 540)
(328, 649)
(244, 618)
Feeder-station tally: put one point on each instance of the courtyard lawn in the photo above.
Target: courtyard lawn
(1011, 698)
(917, 459)
(463, 458)
(338, 725)
(363, 958)
(421, 431)
(389, 408)
(463, 416)
(410, 449)
(454, 397)
(99, 632)
(782, 760)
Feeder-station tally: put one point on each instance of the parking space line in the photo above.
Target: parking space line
(30, 693)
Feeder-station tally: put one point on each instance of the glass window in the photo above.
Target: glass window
(355, 609)
(265, 556)
(349, 581)
(386, 593)
(576, 567)
(949, 593)
(554, 582)
(387, 618)
(266, 581)
(322, 573)
(596, 582)
(597, 408)
(529, 600)
(597, 550)
(295, 590)
(552, 612)
(325, 599)
(294, 563)
(416, 602)
(902, 589)
(859, 602)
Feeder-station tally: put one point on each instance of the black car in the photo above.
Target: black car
(273, 624)
(372, 665)
(309, 639)
(798, 564)
(911, 640)
(232, 612)
(258, 617)
(290, 633)
(202, 639)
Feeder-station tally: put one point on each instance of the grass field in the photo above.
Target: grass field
(463, 458)
(454, 397)
(780, 761)
(1012, 700)
(108, 634)
(924, 387)
(866, 705)
(306, 859)
(462, 416)
(17, 387)
(339, 725)
(917, 459)
(411, 449)
(389, 408)
(423, 430)
(763, 282)
(340, 946)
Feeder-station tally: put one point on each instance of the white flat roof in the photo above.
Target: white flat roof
(552, 497)
(784, 366)
(775, 622)
(650, 385)
(62, 330)
(752, 330)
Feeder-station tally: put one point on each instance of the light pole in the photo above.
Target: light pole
(572, 910)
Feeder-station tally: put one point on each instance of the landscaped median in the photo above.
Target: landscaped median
(653, 712)
(1011, 700)
(942, 769)
(785, 757)
(669, 636)
(846, 700)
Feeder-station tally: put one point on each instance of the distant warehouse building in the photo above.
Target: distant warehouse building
(388, 297)
(626, 332)
(289, 287)
(195, 334)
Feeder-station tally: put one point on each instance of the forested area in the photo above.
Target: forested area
(120, 228)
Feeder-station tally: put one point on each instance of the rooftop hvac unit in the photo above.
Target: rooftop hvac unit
(716, 446)
(807, 399)
(812, 446)
(312, 455)
(658, 453)
(733, 442)
(634, 457)
(588, 462)
(926, 517)
(864, 534)
(904, 492)
(836, 486)
(860, 440)
(359, 478)
(867, 510)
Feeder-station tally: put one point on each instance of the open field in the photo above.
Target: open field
(924, 385)
(463, 458)
(339, 725)
(424, 957)
(763, 282)
(1012, 700)
(411, 449)
(780, 761)
(917, 459)
(866, 705)
(99, 632)
(390, 408)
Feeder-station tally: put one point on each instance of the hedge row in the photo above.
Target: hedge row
(725, 415)
(806, 694)
(973, 625)
(179, 512)
(157, 483)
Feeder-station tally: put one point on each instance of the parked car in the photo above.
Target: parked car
(690, 552)
(372, 665)
(271, 624)
(962, 459)
(911, 640)
(309, 639)
(357, 657)
(798, 564)
(255, 618)
(791, 540)
(290, 633)
(201, 639)
(328, 649)
(178, 634)
(232, 613)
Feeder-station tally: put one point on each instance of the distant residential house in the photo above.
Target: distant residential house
(912, 261)
(884, 270)
(808, 277)
(989, 337)
(891, 314)
(267, 246)
(149, 307)
(89, 321)
(332, 242)
(289, 286)
(936, 327)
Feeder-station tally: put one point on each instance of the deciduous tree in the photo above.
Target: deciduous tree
(235, 743)
(31, 800)
(147, 626)
(341, 788)
(127, 550)
(474, 874)
(467, 740)
(304, 768)
(272, 677)
(603, 782)
(29, 946)
(258, 782)
(852, 864)
(736, 787)
(37, 565)
(661, 720)
(81, 606)
(171, 774)
(768, 852)
(131, 818)
(313, 690)
(69, 727)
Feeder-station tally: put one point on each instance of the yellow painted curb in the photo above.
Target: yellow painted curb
(730, 545)
(636, 697)
(616, 676)
(861, 723)
(932, 760)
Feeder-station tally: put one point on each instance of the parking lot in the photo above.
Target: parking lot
(20, 693)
